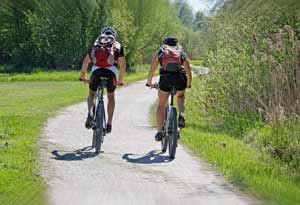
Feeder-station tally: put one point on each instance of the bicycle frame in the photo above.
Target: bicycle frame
(100, 100)
(170, 131)
(169, 107)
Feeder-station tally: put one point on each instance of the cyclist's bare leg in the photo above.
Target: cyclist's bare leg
(180, 101)
(180, 104)
(91, 101)
(110, 107)
(160, 114)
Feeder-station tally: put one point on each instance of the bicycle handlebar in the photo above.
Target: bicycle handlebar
(155, 85)
(84, 80)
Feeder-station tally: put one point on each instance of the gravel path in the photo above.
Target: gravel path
(131, 170)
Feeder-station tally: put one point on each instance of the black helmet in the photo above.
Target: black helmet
(170, 41)
(109, 31)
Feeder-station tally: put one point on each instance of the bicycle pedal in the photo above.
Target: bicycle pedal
(93, 126)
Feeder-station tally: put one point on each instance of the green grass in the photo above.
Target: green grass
(55, 76)
(41, 76)
(197, 62)
(252, 171)
(24, 108)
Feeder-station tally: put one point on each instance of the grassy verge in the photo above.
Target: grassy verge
(24, 108)
(253, 171)
(197, 62)
(41, 76)
(57, 76)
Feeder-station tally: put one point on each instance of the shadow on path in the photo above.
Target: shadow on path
(152, 157)
(79, 154)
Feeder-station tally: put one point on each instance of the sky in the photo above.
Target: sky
(202, 5)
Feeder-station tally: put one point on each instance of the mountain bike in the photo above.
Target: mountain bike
(170, 126)
(99, 125)
(99, 120)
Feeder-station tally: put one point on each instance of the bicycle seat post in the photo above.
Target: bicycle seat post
(103, 84)
(173, 93)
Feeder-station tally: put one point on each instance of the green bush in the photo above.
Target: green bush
(282, 141)
(253, 49)
(253, 55)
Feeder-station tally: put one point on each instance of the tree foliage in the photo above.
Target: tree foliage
(185, 12)
(58, 33)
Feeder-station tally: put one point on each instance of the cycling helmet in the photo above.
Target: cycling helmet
(111, 31)
(170, 41)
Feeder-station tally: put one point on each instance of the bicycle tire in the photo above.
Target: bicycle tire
(164, 140)
(94, 139)
(94, 130)
(164, 143)
(99, 128)
(173, 136)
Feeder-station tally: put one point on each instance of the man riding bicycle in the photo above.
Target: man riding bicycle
(105, 55)
(174, 70)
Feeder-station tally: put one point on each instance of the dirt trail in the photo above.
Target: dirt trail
(131, 170)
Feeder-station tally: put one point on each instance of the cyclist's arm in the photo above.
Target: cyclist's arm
(154, 65)
(188, 72)
(122, 63)
(84, 67)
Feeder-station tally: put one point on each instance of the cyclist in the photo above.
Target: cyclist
(174, 70)
(105, 55)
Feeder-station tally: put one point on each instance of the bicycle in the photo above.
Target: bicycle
(170, 126)
(99, 128)
(99, 119)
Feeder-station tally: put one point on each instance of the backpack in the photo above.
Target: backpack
(171, 58)
(103, 52)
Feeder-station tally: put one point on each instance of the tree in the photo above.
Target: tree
(185, 12)
(200, 21)
(14, 32)
(57, 33)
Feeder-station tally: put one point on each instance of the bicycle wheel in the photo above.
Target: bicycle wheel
(164, 140)
(103, 125)
(94, 130)
(99, 128)
(164, 143)
(94, 139)
(173, 133)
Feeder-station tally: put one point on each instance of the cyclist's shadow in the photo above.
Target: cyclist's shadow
(152, 157)
(76, 155)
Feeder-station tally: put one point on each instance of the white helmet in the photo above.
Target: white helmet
(111, 31)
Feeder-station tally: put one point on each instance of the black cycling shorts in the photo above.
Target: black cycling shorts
(103, 72)
(166, 81)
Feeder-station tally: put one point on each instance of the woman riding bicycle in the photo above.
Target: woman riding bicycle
(174, 71)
